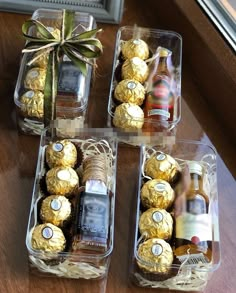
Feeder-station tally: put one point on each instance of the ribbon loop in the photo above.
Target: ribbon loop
(79, 48)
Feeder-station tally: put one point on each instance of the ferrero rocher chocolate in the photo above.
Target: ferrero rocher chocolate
(128, 116)
(61, 181)
(157, 223)
(135, 68)
(155, 256)
(41, 59)
(61, 153)
(48, 237)
(32, 104)
(157, 193)
(135, 48)
(35, 79)
(55, 209)
(130, 91)
(161, 166)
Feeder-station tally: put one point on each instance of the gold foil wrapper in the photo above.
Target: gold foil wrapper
(130, 91)
(135, 48)
(55, 209)
(155, 256)
(157, 193)
(42, 60)
(128, 116)
(62, 181)
(61, 153)
(162, 166)
(49, 238)
(35, 79)
(32, 104)
(157, 223)
(135, 68)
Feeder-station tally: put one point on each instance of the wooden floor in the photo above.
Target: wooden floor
(18, 157)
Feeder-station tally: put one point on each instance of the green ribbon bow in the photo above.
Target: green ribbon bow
(79, 48)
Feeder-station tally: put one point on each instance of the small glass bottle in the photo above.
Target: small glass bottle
(193, 234)
(159, 102)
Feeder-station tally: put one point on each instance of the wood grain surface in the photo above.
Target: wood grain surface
(18, 157)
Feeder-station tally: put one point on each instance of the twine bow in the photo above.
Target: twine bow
(79, 48)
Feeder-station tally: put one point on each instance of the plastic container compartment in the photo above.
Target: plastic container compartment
(73, 86)
(77, 264)
(154, 38)
(185, 276)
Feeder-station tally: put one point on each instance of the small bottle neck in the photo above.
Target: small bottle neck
(195, 181)
(162, 68)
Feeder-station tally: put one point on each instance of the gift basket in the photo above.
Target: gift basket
(56, 69)
(71, 222)
(145, 91)
(176, 229)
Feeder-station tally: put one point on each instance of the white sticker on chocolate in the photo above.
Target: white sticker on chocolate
(55, 204)
(131, 85)
(157, 217)
(47, 233)
(161, 157)
(57, 147)
(157, 249)
(29, 94)
(63, 175)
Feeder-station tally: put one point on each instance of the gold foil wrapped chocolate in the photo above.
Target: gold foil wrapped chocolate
(162, 166)
(155, 256)
(130, 91)
(61, 153)
(41, 59)
(32, 104)
(62, 181)
(157, 223)
(48, 237)
(135, 48)
(55, 209)
(135, 68)
(35, 79)
(157, 193)
(128, 116)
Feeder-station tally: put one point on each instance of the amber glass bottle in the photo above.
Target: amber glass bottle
(193, 224)
(159, 101)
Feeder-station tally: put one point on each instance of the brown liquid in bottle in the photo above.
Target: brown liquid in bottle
(193, 225)
(159, 101)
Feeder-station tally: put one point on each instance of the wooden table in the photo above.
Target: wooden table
(19, 156)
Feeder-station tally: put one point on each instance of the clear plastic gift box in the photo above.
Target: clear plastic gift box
(73, 86)
(155, 39)
(191, 273)
(79, 263)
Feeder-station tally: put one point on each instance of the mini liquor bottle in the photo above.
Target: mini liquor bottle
(193, 224)
(159, 101)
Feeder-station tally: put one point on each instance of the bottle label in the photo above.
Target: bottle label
(195, 228)
(193, 258)
(159, 112)
(161, 87)
(94, 215)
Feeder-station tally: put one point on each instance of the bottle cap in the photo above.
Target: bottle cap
(195, 167)
(163, 52)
